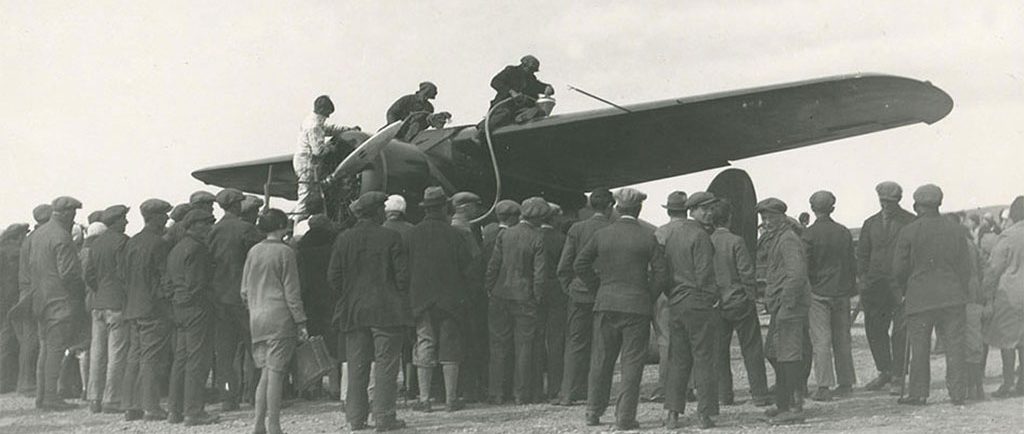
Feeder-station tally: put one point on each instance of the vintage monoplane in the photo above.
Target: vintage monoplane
(562, 156)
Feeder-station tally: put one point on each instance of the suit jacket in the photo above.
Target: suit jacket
(145, 263)
(624, 266)
(368, 270)
(190, 273)
(734, 270)
(517, 270)
(230, 241)
(875, 248)
(933, 263)
(440, 267)
(56, 272)
(105, 270)
(579, 235)
(554, 241)
(831, 266)
(690, 258)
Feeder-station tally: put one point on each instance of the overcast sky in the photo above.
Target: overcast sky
(117, 102)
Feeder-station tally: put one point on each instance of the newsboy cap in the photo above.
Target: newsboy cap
(822, 201)
(629, 197)
(197, 215)
(534, 207)
(229, 196)
(201, 197)
(889, 190)
(433, 196)
(700, 198)
(464, 197)
(42, 213)
(368, 201)
(771, 204)
(676, 201)
(15, 230)
(601, 195)
(928, 195)
(251, 203)
(66, 203)
(94, 216)
(155, 206)
(179, 212)
(395, 203)
(506, 207)
(114, 213)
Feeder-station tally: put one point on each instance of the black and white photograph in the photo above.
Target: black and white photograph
(455, 216)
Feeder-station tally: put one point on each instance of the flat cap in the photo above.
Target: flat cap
(433, 196)
(676, 201)
(394, 203)
(66, 203)
(229, 196)
(700, 198)
(928, 194)
(771, 204)
(554, 209)
(42, 213)
(507, 207)
(197, 215)
(201, 197)
(601, 194)
(15, 230)
(464, 197)
(180, 211)
(95, 216)
(534, 207)
(114, 213)
(889, 190)
(319, 221)
(95, 229)
(629, 197)
(427, 85)
(251, 203)
(155, 206)
(368, 201)
(823, 201)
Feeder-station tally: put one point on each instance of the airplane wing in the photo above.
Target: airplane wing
(611, 147)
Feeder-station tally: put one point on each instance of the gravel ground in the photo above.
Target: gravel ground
(861, 412)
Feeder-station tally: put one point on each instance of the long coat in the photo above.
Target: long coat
(1005, 274)
(55, 273)
(789, 291)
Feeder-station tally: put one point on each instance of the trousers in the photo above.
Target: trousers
(831, 342)
(233, 353)
(193, 353)
(28, 356)
(624, 336)
(693, 341)
(53, 342)
(883, 311)
(8, 356)
(578, 337)
(950, 324)
(743, 321)
(513, 329)
(382, 347)
(147, 357)
(108, 353)
(550, 350)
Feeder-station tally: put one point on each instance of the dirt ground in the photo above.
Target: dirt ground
(861, 412)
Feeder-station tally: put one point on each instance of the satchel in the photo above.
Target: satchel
(312, 362)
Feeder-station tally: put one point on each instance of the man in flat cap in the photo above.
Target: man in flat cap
(440, 278)
(55, 275)
(188, 280)
(417, 112)
(176, 231)
(105, 278)
(394, 214)
(202, 200)
(369, 271)
(787, 294)
(466, 208)
(550, 352)
(693, 310)
(21, 315)
(879, 294)
(249, 210)
(10, 249)
(515, 283)
(675, 207)
(229, 242)
(736, 279)
(518, 82)
(147, 314)
(580, 311)
(933, 263)
(313, 252)
(831, 269)
(624, 266)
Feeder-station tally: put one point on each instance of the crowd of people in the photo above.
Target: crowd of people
(523, 310)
